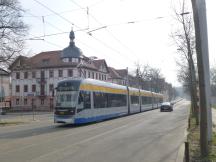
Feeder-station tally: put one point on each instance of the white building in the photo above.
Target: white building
(33, 79)
(4, 88)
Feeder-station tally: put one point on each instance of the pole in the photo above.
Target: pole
(33, 114)
(128, 96)
(199, 13)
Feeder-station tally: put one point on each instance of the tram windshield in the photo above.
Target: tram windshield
(66, 99)
(67, 94)
(68, 86)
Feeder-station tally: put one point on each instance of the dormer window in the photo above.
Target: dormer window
(75, 60)
(45, 61)
(65, 60)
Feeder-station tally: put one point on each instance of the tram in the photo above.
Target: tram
(87, 100)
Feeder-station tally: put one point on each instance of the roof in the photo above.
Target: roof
(3, 72)
(100, 62)
(71, 51)
(51, 59)
(122, 72)
(113, 74)
(19, 58)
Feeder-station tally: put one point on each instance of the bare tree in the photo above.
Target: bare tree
(12, 31)
(213, 80)
(149, 78)
(185, 42)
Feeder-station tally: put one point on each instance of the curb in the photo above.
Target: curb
(181, 152)
(180, 155)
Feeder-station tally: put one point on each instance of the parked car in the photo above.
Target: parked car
(166, 106)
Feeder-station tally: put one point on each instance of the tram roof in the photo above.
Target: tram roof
(133, 91)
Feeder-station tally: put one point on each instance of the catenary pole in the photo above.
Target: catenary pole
(200, 22)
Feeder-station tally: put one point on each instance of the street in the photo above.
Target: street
(150, 136)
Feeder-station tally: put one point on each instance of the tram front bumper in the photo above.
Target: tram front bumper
(66, 119)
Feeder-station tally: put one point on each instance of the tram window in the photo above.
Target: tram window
(100, 100)
(150, 100)
(154, 100)
(116, 100)
(134, 99)
(144, 100)
(85, 99)
(161, 100)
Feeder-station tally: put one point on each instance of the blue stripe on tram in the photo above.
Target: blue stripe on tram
(96, 118)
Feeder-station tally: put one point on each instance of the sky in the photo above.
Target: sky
(123, 32)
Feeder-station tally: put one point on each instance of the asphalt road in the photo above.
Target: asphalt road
(151, 136)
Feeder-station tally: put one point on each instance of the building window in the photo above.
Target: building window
(92, 75)
(25, 88)
(25, 75)
(51, 87)
(33, 74)
(33, 88)
(25, 101)
(17, 88)
(17, 75)
(99, 76)
(42, 101)
(17, 101)
(70, 59)
(70, 72)
(60, 73)
(51, 73)
(42, 90)
(89, 74)
(104, 77)
(42, 74)
(96, 75)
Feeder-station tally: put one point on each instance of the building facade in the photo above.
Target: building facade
(117, 76)
(33, 79)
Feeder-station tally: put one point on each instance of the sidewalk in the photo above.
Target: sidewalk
(26, 117)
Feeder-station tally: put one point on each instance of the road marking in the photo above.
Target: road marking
(102, 124)
(78, 143)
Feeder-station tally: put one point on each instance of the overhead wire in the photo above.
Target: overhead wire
(106, 28)
(89, 32)
(62, 12)
(53, 34)
(39, 18)
(53, 44)
(76, 26)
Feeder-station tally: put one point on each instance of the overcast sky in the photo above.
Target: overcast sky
(121, 43)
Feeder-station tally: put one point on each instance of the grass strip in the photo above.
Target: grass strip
(194, 144)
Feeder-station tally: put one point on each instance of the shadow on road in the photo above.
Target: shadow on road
(40, 130)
